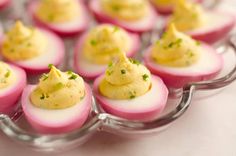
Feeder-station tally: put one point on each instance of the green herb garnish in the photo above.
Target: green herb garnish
(93, 42)
(44, 77)
(69, 72)
(123, 71)
(110, 64)
(134, 61)
(132, 96)
(42, 97)
(50, 66)
(145, 77)
(8, 73)
(109, 72)
(73, 77)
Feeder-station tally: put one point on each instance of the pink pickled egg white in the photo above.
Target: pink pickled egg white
(90, 70)
(67, 29)
(166, 10)
(54, 54)
(144, 25)
(57, 120)
(10, 95)
(4, 3)
(219, 25)
(143, 108)
(208, 66)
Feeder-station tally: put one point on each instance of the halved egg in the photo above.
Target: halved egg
(53, 113)
(64, 28)
(217, 28)
(208, 66)
(204, 25)
(4, 3)
(179, 60)
(141, 25)
(10, 93)
(142, 108)
(106, 35)
(52, 50)
(128, 90)
(167, 9)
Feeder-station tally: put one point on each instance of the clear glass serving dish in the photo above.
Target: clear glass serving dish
(16, 128)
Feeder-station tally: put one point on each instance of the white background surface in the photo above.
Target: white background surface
(207, 128)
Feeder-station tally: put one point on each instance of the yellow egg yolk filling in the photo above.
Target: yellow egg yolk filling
(125, 79)
(58, 11)
(102, 44)
(7, 76)
(128, 10)
(58, 90)
(188, 16)
(175, 49)
(22, 43)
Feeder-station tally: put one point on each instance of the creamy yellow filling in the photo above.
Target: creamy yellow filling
(58, 90)
(125, 79)
(176, 49)
(188, 16)
(22, 43)
(102, 44)
(58, 11)
(129, 10)
(7, 75)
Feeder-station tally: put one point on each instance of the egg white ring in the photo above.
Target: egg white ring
(76, 26)
(208, 66)
(54, 54)
(10, 94)
(90, 70)
(56, 120)
(145, 107)
(145, 24)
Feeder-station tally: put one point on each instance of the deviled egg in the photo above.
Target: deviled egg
(32, 48)
(99, 46)
(128, 90)
(166, 7)
(64, 17)
(60, 102)
(12, 83)
(207, 26)
(178, 59)
(134, 15)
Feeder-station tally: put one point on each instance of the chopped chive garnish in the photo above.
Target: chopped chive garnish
(115, 8)
(109, 72)
(73, 77)
(132, 96)
(69, 72)
(42, 97)
(145, 77)
(116, 29)
(134, 61)
(50, 66)
(44, 77)
(93, 42)
(123, 71)
(110, 64)
(8, 73)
